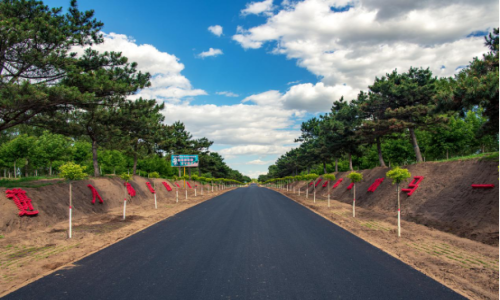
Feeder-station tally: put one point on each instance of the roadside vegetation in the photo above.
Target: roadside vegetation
(59, 107)
(404, 118)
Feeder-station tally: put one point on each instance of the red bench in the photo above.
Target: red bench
(167, 186)
(150, 187)
(325, 184)
(95, 194)
(350, 186)
(337, 183)
(375, 185)
(188, 185)
(483, 186)
(413, 185)
(317, 182)
(130, 189)
(22, 202)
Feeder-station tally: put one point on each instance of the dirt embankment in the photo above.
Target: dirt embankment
(52, 201)
(444, 199)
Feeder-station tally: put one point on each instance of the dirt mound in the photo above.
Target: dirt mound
(444, 199)
(52, 201)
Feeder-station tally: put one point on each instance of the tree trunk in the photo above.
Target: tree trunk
(189, 173)
(199, 172)
(350, 162)
(26, 165)
(50, 168)
(94, 158)
(324, 167)
(179, 168)
(380, 157)
(134, 168)
(414, 141)
(336, 165)
(15, 170)
(447, 154)
(308, 169)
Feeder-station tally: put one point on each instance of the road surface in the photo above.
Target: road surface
(250, 243)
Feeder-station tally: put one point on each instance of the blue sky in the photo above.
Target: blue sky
(278, 63)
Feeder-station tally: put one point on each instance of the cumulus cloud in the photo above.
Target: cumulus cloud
(167, 82)
(227, 94)
(259, 8)
(210, 52)
(259, 162)
(347, 43)
(255, 149)
(216, 29)
(235, 124)
(304, 97)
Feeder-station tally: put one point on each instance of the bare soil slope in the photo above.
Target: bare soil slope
(444, 199)
(52, 201)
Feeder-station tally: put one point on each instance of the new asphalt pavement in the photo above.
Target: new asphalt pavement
(250, 243)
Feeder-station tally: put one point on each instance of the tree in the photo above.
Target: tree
(398, 175)
(71, 171)
(34, 45)
(341, 124)
(139, 122)
(408, 99)
(18, 148)
(355, 177)
(126, 177)
(330, 178)
(475, 85)
(109, 79)
(51, 147)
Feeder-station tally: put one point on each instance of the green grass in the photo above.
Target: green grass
(492, 156)
(28, 182)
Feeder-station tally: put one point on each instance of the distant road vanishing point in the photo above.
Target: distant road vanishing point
(250, 243)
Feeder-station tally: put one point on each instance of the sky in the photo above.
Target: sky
(246, 74)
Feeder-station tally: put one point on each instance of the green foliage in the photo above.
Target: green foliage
(355, 177)
(127, 177)
(398, 175)
(71, 171)
(154, 175)
(311, 177)
(330, 177)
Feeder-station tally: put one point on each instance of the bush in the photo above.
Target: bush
(72, 171)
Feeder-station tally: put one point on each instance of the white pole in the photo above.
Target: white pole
(186, 194)
(399, 213)
(156, 206)
(328, 199)
(354, 202)
(177, 196)
(314, 195)
(124, 207)
(195, 192)
(70, 210)
(307, 192)
(299, 191)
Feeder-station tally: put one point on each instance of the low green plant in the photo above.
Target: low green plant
(355, 177)
(154, 175)
(126, 177)
(398, 175)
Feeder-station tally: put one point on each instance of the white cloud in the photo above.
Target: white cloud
(259, 162)
(304, 97)
(210, 52)
(255, 150)
(265, 8)
(254, 174)
(167, 82)
(347, 43)
(227, 94)
(216, 29)
(236, 125)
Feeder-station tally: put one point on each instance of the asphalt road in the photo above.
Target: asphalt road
(250, 243)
